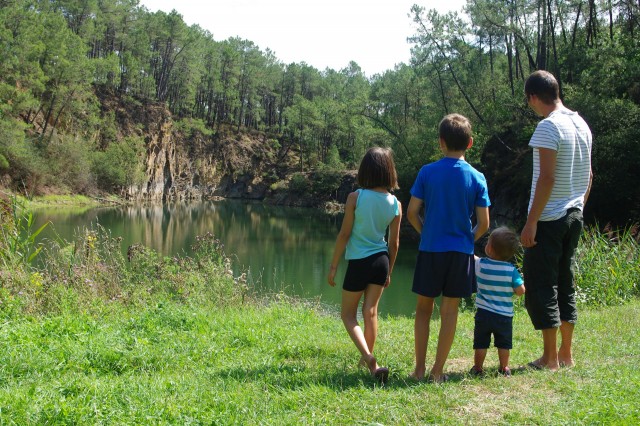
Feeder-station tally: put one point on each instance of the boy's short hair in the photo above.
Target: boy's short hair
(455, 131)
(504, 242)
(378, 169)
(544, 85)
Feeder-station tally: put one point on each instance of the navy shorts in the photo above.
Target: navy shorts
(369, 270)
(450, 273)
(548, 271)
(488, 323)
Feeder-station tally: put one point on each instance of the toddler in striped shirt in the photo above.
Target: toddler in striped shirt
(497, 281)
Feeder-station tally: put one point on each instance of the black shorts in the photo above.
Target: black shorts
(360, 273)
(548, 272)
(488, 323)
(450, 273)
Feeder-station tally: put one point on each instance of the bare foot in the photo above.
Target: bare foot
(362, 363)
(568, 363)
(441, 378)
(371, 363)
(438, 377)
(418, 374)
(540, 364)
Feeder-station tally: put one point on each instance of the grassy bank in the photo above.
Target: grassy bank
(93, 336)
(287, 363)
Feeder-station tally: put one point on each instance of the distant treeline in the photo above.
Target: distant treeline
(56, 55)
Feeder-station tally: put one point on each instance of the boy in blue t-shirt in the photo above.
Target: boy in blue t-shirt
(497, 281)
(451, 191)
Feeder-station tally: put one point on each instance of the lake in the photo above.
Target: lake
(282, 249)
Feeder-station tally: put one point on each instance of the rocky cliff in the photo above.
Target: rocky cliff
(185, 161)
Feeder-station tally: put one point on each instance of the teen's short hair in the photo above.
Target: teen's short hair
(378, 169)
(455, 130)
(504, 242)
(544, 85)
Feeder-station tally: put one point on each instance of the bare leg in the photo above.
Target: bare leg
(449, 321)
(349, 312)
(503, 356)
(372, 296)
(565, 354)
(549, 358)
(478, 358)
(424, 310)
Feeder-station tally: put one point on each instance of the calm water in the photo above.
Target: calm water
(281, 248)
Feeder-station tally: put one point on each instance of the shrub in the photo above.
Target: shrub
(120, 164)
(93, 270)
(326, 182)
(299, 183)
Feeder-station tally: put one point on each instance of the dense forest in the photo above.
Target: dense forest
(58, 56)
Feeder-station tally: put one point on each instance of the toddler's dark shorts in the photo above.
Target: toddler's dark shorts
(488, 323)
(450, 273)
(360, 273)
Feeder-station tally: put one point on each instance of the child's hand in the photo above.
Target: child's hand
(332, 276)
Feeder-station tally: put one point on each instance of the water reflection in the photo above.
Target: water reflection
(282, 249)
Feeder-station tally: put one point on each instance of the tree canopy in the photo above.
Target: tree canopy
(57, 54)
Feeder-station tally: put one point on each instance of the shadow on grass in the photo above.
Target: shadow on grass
(295, 377)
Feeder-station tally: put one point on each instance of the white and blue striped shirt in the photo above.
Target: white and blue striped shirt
(565, 132)
(496, 281)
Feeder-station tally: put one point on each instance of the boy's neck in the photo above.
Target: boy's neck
(456, 155)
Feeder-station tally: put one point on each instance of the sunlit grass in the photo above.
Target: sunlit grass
(93, 336)
(284, 363)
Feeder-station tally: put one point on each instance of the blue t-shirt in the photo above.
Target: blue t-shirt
(450, 189)
(496, 282)
(374, 212)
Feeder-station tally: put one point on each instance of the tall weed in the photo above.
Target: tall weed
(92, 270)
(608, 266)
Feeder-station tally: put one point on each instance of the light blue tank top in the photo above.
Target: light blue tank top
(374, 212)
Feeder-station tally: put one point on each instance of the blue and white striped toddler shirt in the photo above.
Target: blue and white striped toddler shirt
(496, 281)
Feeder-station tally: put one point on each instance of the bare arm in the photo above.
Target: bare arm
(586, 195)
(482, 225)
(519, 291)
(343, 236)
(413, 214)
(544, 186)
(394, 242)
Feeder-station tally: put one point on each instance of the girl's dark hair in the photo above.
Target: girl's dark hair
(544, 85)
(378, 169)
(455, 131)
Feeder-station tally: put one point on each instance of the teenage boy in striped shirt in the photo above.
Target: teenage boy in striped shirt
(559, 190)
(497, 281)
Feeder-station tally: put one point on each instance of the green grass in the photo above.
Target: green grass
(96, 337)
(290, 363)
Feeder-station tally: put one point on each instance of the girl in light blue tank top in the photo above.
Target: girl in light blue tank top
(369, 212)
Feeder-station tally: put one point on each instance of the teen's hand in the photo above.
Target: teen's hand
(528, 235)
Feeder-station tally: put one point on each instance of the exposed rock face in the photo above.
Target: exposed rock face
(183, 165)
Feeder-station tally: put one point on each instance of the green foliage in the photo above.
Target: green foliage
(120, 164)
(608, 267)
(299, 183)
(4, 163)
(18, 245)
(92, 270)
(190, 127)
(325, 181)
(57, 54)
(70, 164)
